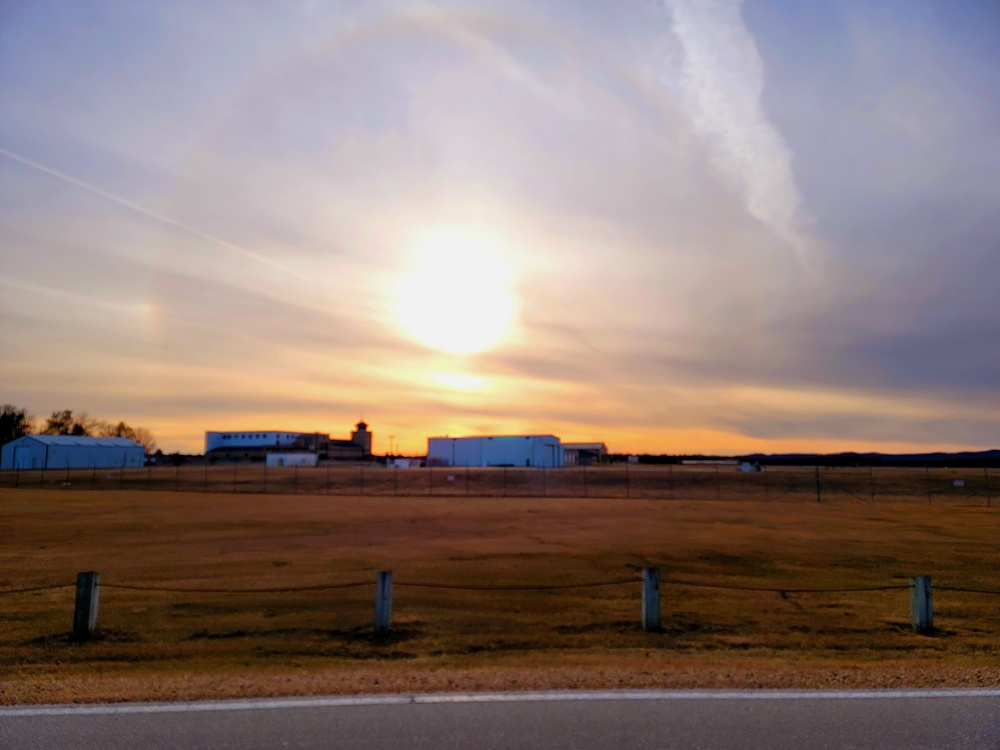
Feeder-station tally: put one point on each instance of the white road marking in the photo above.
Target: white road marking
(432, 698)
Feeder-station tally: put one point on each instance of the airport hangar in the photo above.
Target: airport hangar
(496, 450)
(70, 452)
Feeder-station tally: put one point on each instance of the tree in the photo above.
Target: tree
(138, 434)
(14, 422)
(64, 423)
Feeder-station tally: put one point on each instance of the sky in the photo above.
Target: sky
(672, 226)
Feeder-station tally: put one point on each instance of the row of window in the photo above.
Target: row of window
(253, 435)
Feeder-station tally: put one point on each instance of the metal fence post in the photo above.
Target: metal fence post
(85, 611)
(383, 601)
(650, 599)
(921, 610)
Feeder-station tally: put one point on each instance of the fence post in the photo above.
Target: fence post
(430, 480)
(505, 481)
(767, 485)
(650, 599)
(718, 482)
(545, 483)
(927, 475)
(383, 601)
(871, 481)
(395, 480)
(671, 475)
(921, 611)
(586, 489)
(989, 493)
(85, 611)
(362, 479)
(628, 481)
(819, 495)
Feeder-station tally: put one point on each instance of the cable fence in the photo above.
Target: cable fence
(650, 584)
(861, 485)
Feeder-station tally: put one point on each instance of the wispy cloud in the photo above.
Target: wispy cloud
(722, 93)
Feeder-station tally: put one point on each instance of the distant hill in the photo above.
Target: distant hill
(965, 458)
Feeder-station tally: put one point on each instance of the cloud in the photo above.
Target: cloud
(722, 92)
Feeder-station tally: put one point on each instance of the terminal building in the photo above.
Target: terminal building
(256, 445)
(495, 450)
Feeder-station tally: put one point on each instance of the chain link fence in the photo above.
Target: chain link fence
(934, 486)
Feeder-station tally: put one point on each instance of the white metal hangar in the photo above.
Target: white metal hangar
(70, 452)
(495, 450)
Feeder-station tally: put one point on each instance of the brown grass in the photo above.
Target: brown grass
(169, 645)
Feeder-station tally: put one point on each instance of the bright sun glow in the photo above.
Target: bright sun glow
(456, 296)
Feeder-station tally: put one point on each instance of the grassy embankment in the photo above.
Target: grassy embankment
(172, 645)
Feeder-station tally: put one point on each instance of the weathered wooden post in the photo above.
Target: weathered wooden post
(383, 601)
(921, 611)
(989, 492)
(650, 599)
(819, 492)
(85, 611)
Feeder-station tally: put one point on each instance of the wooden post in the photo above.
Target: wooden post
(430, 481)
(650, 599)
(17, 476)
(328, 478)
(927, 475)
(545, 484)
(206, 475)
(362, 479)
(871, 481)
(505, 481)
(466, 481)
(819, 494)
(85, 611)
(177, 477)
(383, 601)
(234, 477)
(767, 485)
(670, 474)
(718, 482)
(989, 493)
(921, 611)
(586, 489)
(628, 481)
(295, 480)
(395, 480)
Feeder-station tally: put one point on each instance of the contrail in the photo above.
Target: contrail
(723, 84)
(152, 214)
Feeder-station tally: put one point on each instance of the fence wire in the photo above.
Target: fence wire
(513, 587)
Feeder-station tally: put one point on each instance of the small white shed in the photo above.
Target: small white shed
(70, 452)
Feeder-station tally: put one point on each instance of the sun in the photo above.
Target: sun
(456, 295)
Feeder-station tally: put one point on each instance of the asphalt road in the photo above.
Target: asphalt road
(576, 721)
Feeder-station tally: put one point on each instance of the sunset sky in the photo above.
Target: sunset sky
(678, 226)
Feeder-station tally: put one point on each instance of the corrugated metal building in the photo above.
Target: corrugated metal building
(496, 450)
(70, 452)
(585, 454)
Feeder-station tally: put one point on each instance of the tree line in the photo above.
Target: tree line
(15, 422)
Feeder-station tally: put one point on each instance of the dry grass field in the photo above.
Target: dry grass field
(167, 645)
